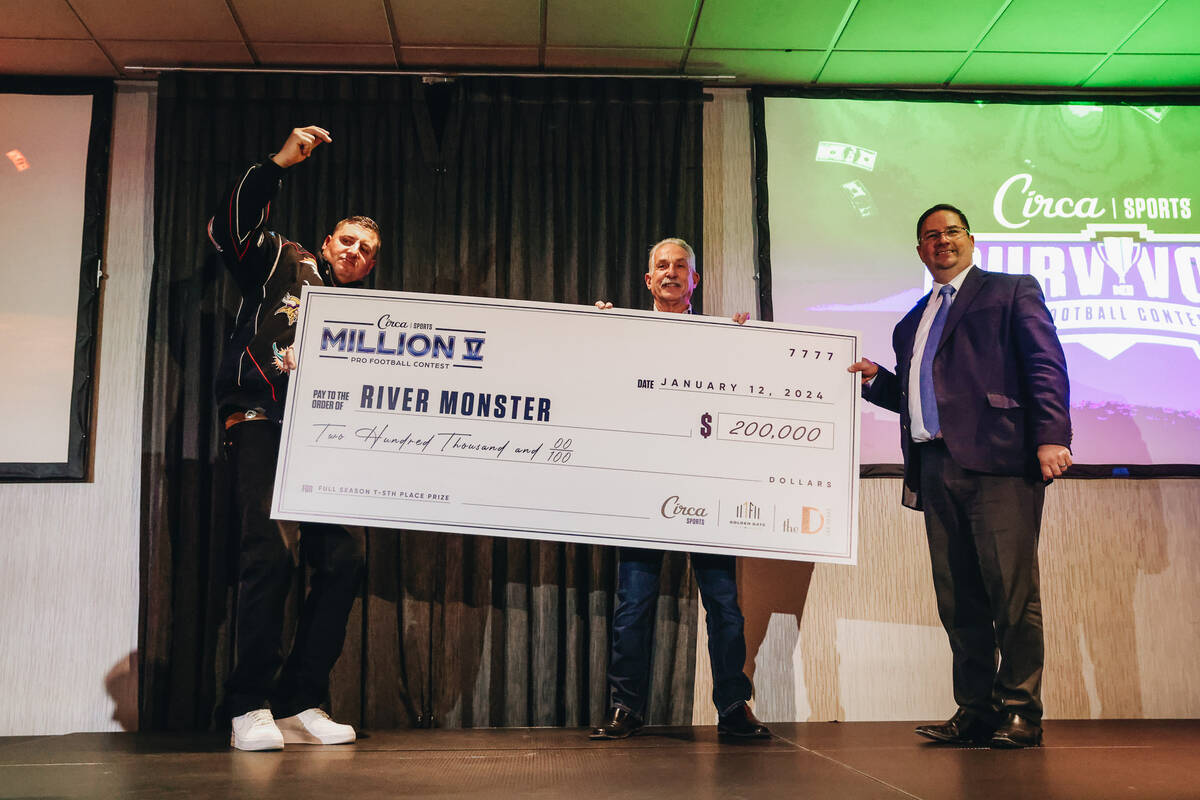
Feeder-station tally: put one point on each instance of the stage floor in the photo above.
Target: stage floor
(846, 761)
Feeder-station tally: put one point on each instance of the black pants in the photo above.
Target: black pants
(270, 552)
(983, 539)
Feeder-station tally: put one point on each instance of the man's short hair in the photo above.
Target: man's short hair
(362, 222)
(687, 248)
(942, 207)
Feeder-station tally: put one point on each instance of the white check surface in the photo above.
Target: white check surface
(567, 423)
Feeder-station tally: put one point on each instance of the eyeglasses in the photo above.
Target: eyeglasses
(953, 232)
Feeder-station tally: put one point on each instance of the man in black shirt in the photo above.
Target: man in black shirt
(251, 387)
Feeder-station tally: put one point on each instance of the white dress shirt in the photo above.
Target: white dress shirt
(919, 433)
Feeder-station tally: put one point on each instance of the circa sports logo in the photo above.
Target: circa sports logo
(673, 508)
(1019, 189)
(1109, 282)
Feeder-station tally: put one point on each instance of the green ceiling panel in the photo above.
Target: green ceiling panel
(757, 66)
(884, 69)
(1026, 69)
(1065, 26)
(619, 23)
(1173, 29)
(770, 24)
(1148, 72)
(892, 25)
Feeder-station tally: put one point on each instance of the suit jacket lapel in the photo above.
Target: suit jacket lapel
(965, 295)
(906, 332)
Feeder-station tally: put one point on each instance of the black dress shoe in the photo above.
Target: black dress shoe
(621, 724)
(1017, 732)
(742, 722)
(965, 727)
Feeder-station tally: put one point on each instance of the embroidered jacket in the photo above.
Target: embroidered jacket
(269, 270)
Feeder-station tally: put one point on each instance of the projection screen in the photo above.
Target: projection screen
(54, 143)
(1096, 200)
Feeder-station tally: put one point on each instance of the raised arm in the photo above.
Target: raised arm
(238, 225)
(300, 144)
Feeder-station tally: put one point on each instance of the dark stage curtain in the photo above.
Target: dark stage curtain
(545, 190)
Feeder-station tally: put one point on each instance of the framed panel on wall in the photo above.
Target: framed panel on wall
(54, 139)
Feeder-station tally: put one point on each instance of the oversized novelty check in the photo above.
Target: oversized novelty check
(573, 424)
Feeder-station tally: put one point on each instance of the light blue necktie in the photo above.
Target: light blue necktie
(929, 411)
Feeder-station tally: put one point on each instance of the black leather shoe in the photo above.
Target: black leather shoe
(742, 722)
(621, 724)
(965, 727)
(1017, 732)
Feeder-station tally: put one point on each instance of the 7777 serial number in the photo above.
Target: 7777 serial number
(813, 355)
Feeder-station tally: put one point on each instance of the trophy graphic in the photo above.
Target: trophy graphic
(1120, 253)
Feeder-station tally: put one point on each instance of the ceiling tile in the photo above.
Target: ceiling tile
(769, 24)
(345, 22)
(53, 57)
(888, 25)
(1065, 26)
(602, 58)
(1172, 29)
(1034, 43)
(757, 66)
(1148, 72)
(179, 54)
(468, 22)
(619, 23)
(469, 57)
(49, 19)
(325, 55)
(177, 20)
(883, 69)
(1026, 69)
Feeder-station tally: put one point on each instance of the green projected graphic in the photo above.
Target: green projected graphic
(1098, 202)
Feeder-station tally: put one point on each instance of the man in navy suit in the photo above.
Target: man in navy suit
(981, 389)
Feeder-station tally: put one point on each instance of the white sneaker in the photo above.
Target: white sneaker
(256, 730)
(313, 726)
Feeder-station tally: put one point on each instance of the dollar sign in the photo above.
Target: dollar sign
(705, 427)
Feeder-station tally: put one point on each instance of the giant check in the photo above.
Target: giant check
(569, 423)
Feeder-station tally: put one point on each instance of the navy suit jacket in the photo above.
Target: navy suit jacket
(999, 375)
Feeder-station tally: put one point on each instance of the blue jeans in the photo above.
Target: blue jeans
(637, 593)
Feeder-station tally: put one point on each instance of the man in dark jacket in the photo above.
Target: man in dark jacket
(981, 389)
(251, 388)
